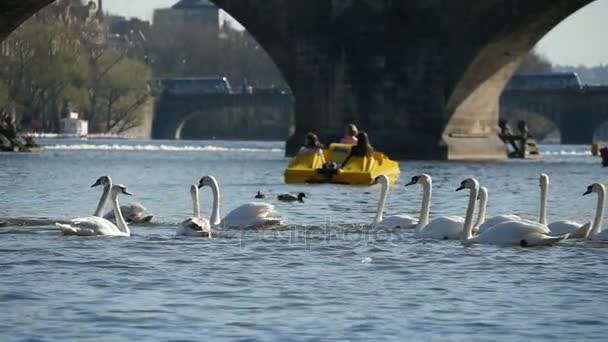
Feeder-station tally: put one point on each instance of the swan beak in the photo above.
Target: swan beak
(127, 193)
(96, 184)
(200, 185)
(461, 187)
(588, 192)
(410, 183)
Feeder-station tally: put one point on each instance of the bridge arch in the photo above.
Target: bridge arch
(440, 83)
(173, 111)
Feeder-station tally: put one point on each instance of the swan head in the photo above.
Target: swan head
(382, 179)
(301, 195)
(469, 183)
(595, 187)
(103, 180)
(543, 180)
(118, 189)
(207, 181)
(420, 179)
(193, 189)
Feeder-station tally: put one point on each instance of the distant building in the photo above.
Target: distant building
(196, 14)
(74, 126)
(127, 33)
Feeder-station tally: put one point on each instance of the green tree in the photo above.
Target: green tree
(56, 65)
(124, 88)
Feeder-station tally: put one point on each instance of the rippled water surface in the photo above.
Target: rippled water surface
(326, 275)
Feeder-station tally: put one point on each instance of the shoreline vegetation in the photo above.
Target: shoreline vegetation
(11, 140)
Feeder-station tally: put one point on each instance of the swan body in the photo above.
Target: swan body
(575, 229)
(194, 225)
(441, 228)
(398, 221)
(250, 215)
(134, 212)
(93, 225)
(596, 232)
(393, 221)
(510, 233)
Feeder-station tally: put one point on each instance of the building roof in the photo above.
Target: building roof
(193, 4)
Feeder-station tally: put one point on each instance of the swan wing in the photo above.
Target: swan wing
(194, 226)
(90, 225)
(442, 228)
(132, 212)
(516, 233)
(398, 221)
(564, 227)
(535, 239)
(249, 211)
(136, 208)
(495, 220)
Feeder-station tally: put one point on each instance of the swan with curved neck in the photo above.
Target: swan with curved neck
(94, 225)
(575, 229)
(596, 232)
(442, 227)
(194, 225)
(133, 212)
(393, 221)
(250, 215)
(511, 233)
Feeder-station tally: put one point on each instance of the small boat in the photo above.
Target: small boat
(309, 168)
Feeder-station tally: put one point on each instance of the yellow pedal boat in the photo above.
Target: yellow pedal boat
(309, 168)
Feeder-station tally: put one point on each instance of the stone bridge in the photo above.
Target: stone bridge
(576, 113)
(172, 111)
(423, 77)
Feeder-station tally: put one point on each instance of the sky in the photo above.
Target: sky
(580, 39)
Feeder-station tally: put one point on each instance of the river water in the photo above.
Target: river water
(325, 275)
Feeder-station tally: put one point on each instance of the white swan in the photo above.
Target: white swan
(250, 215)
(441, 228)
(511, 233)
(482, 223)
(133, 212)
(94, 225)
(575, 229)
(194, 225)
(596, 232)
(393, 221)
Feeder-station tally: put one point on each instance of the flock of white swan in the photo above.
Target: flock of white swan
(255, 214)
(502, 230)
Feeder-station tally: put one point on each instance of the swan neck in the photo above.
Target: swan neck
(196, 212)
(543, 203)
(120, 220)
(468, 221)
(215, 212)
(102, 200)
(427, 189)
(483, 205)
(599, 213)
(381, 203)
